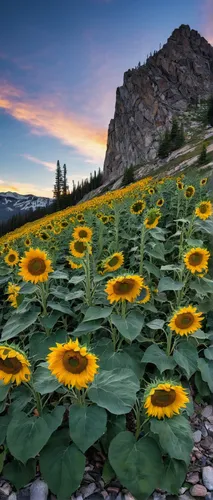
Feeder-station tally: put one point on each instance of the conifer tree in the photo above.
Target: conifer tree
(164, 148)
(202, 160)
(210, 112)
(128, 176)
(65, 187)
(57, 191)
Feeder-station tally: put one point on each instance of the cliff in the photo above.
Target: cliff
(179, 74)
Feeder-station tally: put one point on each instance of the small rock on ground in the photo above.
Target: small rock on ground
(193, 477)
(197, 436)
(198, 490)
(38, 490)
(207, 411)
(5, 488)
(207, 475)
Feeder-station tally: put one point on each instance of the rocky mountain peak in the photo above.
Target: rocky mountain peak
(179, 74)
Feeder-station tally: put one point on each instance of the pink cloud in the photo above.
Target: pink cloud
(46, 117)
(50, 165)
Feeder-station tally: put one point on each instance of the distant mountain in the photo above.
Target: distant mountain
(15, 203)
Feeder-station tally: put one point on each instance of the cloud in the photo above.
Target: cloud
(24, 188)
(45, 117)
(50, 165)
(208, 20)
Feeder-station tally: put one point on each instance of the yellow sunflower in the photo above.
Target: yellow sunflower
(35, 266)
(27, 242)
(43, 235)
(78, 248)
(186, 321)
(160, 202)
(80, 217)
(165, 399)
(203, 181)
(113, 262)
(138, 207)
(204, 210)
(104, 219)
(125, 287)
(13, 300)
(189, 192)
(64, 224)
(196, 260)
(12, 288)
(152, 218)
(144, 295)
(151, 191)
(57, 230)
(180, 185)
(82, 233)
(14, 366)
(12, 257)
(73, 264)
(72, 364)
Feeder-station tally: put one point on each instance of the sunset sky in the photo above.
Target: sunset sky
(60, 64)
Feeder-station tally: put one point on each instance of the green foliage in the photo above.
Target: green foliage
(175, 436)
(172, 140)
(87, 424)
(202, 160)
(210, 112)
(128, 176)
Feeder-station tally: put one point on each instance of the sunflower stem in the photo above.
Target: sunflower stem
(100, 240)
(169, 343)
(88, 279)
(123, 309)
(143, 233)
(117, 218)
(37, 398)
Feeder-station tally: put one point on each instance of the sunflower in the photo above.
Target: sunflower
(104, 219)
(27, 242)
(73, 264)
(180, 185)
(204, 210)
(80, 217)
(203, 181)
(189, 192)
(186, 321)
(82, 233)
(125, 287)
(64, 224)
(13, 300)
(138, 207)
(43, 235)
(72, 364)
(14, 366)
(151, 191)
(111, 218)
(100, 268)
(152, 219)
(113, 262)
(35, 266)
(196, 260)
(57, 230)
(12, 257)
(78, 248)
(12, 288)
(144, 295)
(165, 399)
(49, 227)
(160, 202)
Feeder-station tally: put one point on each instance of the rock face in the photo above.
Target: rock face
(181, 73)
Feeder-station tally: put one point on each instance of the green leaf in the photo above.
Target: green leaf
(28, 288)
(208, 353)
(138, 464)
(20, 397)
(169, 284)
(54, 418)
(26, 436)
(158, 357)
(4, 421)
(17, 323)
(205, 225)
(156, 324)
(114, 390)
(109, 359)
(131, 326)
(74, 295)
(170, 267)
(206, 370)
(107, 472)
(157, 251)
(151, 268)
(173, 476)
(62, 465)
(186, 357)
(18, 474)
(50, 320)
(2, 458)
(44, 382)
(87, 424)
(97, 312)
(77, 279)
(60, 306)
(59, 275)
(175, 436)
(4, 389)
(202, 387)
(39, 343)
(86, 327)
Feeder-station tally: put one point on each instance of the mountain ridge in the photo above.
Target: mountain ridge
(12, 203)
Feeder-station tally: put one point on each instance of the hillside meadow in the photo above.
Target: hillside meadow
(106, 332)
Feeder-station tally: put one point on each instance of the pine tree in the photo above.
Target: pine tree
(210, 112)
(202, 160)
(180, 137)
(57, 191)
(128, 176)
(65, 187)
(174, 129)
(164, 148)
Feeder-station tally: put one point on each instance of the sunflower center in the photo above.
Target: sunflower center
(36, 266)
(184, 320)
(10, 365)
(44, 236)
(123, 287)
(73, 362)
(80, 246)
(82, 233)
(113, 261)
(163, 398)
(11, 257)
(195, 259)
(203, 208)
(137, 206)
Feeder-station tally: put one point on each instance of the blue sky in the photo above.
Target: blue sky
(60, 64)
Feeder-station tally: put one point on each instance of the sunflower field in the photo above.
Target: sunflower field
(106, 331)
